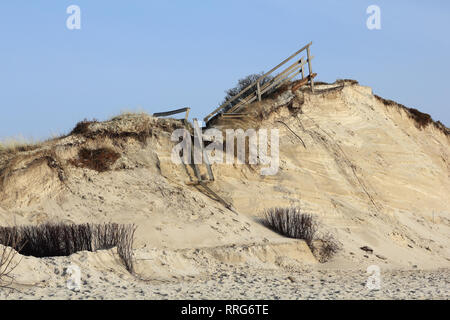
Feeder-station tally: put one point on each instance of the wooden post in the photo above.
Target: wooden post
(303, 69)
(198, 135)
(311, 80)
(258, 90)
(187, 115)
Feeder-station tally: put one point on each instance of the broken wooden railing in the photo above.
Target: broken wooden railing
(169, 113)
(230, 107)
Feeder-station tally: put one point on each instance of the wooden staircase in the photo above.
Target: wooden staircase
(230, 109)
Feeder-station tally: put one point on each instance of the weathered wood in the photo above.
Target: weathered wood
(258, 90)
(169, 113)
(303, 71)
(196, 168)
(289, 58)
(302, 82)
(219, 198)
(310, 69)
(266, 87)
(280, 76)
(258, 80)
(198, 135)
(196, 183)
(290, 77)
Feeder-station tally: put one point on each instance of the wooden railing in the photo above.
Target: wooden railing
(296, 68)
(169, 113)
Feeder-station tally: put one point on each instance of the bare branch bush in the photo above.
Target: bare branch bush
(293, 223)
(8, 261)
(114, 235)
(325, 247)
(52, 240)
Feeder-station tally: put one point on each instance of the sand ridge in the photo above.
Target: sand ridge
(365, 169)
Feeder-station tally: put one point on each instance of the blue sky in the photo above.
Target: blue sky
(158, 55)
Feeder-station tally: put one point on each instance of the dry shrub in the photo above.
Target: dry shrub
(53, 240)
(7, 257)
(114, 235)
(325, 247)
(99, 160)
(291, 222)
(140, 132)
(82, 127)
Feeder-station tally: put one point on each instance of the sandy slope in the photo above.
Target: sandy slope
(370, 175)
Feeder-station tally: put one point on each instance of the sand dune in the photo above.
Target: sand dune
(367, 168)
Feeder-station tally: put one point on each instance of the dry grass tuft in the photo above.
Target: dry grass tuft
(141, 131)
(293, 223)
(14, 145)
(129, 112)
(52, 240)
(325, 247)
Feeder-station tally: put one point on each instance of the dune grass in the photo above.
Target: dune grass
(52, 240)
(293, 223)
(16, 144)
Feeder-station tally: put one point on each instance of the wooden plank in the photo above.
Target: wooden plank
(258, 90)
(169, 113)
(194, 165)
(282, 75)
(289, 58)
(275, 83)
(219, 198)
(196, 183)
(310, 68)
(291, 77)
(295, 65)
(282, 79)
(277, 80)
(199, 137)
(278, 66)
(303, 71)
(196, 168)
(187, 115)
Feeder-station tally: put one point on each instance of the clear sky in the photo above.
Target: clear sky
(158, 55)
